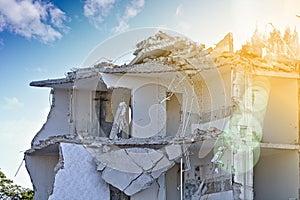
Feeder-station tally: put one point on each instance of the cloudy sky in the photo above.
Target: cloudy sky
(44, 39)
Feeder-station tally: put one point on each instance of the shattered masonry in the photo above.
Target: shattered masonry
(180, 121)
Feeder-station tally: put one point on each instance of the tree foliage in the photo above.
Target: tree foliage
(11, 191)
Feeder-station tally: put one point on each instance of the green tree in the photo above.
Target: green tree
(11, 191)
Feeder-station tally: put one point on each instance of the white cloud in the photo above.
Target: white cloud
(96, 10)
(179, 11)
(11, 104)
(134, 8)
(32, 19)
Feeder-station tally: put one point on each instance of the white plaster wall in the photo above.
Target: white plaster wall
(174, 110)
(216, 89)
(58, 118)
(281, 118)
(149, 115)
(276, 175)
(173, 183)
(78, 179)
(147, 98)
(82, 106)
(41, 170)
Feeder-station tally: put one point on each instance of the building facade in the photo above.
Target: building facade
(180, 121)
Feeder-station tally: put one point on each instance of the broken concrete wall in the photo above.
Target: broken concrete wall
(78, 177)
(213, 90)
(149, 115)
(204, 178)
(58, 118)
(276, 175)
(133, 170)
(41, 170)
(281, 119)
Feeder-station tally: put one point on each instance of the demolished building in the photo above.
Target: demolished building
(180, 121)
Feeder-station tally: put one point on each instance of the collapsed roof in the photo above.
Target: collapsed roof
(166, 53)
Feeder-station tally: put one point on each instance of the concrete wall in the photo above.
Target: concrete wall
(58, 118)
(157, 191)
(276, 175)
(281, 118)
(174, 114)
(41, 170)
(149, 116)
(215, 90)
(82, 106)
(173, 183)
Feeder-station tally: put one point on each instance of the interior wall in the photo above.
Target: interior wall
(82, 111)
(173, 182)
(281, 118)
(174, 110)
(215, 89)
(276, 175)
(149, 113)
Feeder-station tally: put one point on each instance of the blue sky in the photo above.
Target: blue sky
(45, 39)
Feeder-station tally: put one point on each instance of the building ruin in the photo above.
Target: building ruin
(180, 121)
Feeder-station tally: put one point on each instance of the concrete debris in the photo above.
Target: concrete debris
(161, 167)
(217, 157)
(173, 151)
(145, 158)
(119, 160)
(101, 166)
(236, 190)
(171, 50)
(140, 183)
(119, 179)
(132, 170)
(201, 190)
(79, 172)
(120, 124)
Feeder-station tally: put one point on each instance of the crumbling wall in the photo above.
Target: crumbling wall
(58, 118)
(148, 100)
(41, 168)
(204, 178)
(78, 177)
